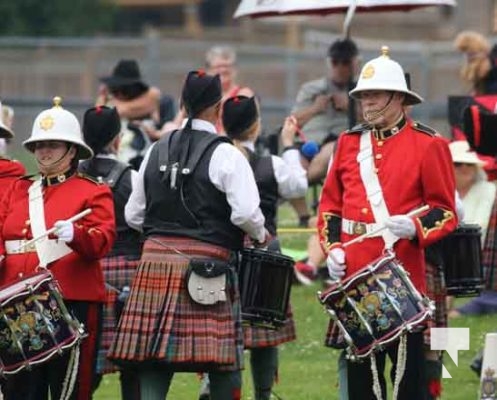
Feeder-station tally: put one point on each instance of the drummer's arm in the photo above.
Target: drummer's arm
(330, 208)
(230, 172)
(94, 235)
(439, 189)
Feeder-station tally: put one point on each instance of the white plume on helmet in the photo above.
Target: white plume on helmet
(383, 73)
(57, 123)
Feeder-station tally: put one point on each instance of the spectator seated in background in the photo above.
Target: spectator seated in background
(322, 107)
(478, 197)
(141, 107)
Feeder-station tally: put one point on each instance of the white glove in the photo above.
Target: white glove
(65, 231)
(401, 226)
(336, 263)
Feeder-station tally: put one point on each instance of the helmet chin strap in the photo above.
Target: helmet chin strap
(57, 162)
(371, 116)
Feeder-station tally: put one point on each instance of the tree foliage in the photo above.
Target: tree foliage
(56, 17)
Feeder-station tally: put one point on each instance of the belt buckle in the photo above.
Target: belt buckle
(359, 228)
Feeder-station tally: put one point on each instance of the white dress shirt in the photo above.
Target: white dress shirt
(229, 172)
(288, 172)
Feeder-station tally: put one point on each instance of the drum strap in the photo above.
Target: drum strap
(372, 186)
(47, 250)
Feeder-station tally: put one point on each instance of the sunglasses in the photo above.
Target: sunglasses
(460, 164)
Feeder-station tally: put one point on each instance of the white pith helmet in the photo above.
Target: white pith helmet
(5, 132)
(58, 124)
(383, 73)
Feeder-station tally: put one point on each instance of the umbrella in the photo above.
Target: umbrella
(271, 8)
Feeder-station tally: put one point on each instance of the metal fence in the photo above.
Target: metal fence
(33, 70)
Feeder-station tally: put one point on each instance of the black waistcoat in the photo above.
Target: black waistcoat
(181, 199)
(117, 175)
(268, 188)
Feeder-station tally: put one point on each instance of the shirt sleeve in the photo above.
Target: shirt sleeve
(230, 172)
(304, 96)
(290, 175)
(134, 211)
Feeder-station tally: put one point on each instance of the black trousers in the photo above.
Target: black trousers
(413, 383)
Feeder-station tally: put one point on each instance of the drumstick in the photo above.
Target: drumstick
(367, 234)
(50, 231)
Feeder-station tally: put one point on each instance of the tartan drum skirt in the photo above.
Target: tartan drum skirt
(256, 337)
(162, 326)
(118, 273)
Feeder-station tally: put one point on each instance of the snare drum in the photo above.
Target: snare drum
(265, 281)
(461, 255)
(375, 306)
(35, 325)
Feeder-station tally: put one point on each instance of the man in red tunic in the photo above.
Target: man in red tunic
(381, 171)
(32, 206)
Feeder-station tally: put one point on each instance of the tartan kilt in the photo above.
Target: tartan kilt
(118, 272)
(489, 252)
(255, 337)
(437, 292)
(162, 326)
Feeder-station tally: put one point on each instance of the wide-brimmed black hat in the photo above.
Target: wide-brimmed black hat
(239, 114)
(101, 124)
(125, 73)
(200, 91)
(480, 128)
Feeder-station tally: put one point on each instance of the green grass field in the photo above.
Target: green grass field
(308, 369)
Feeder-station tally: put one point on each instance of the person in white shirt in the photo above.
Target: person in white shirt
(195, 200)
(276, 177)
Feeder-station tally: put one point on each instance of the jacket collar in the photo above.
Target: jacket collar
(382, 134)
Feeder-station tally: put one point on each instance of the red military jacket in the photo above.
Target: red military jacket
(414, 168)
(78, 273)
(10, 170)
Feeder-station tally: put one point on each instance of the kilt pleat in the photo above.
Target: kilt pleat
(256, 337)
(161, 324)
(118, 272)
(436, 291)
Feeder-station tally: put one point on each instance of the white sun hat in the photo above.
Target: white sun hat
(461, 153)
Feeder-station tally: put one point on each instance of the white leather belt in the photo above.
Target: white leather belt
(14, 246)
(360, 228)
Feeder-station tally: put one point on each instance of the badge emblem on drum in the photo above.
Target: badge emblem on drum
(35, 324)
